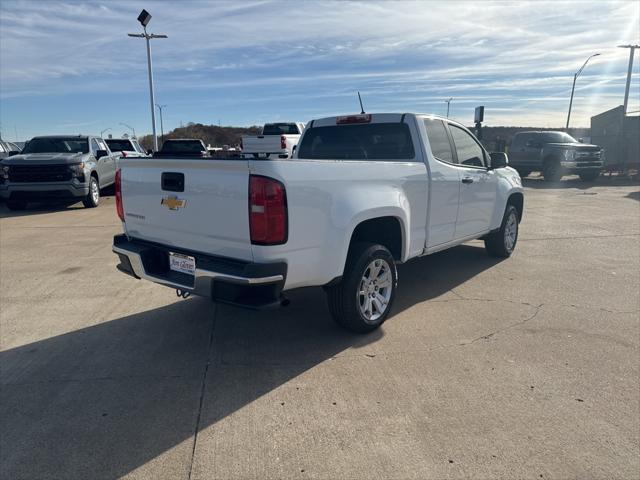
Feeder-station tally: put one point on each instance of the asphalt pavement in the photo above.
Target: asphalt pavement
(522, 368)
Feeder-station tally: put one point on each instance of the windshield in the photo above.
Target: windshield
(557, 137)
(182, 146)
(377, 141)
(57, 145)
(280, 129)
(120, 145)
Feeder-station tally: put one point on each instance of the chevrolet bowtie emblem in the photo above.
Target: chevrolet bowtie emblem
(173, 203)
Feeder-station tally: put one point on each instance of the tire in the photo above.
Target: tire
(552, 170)
(16, 205)
(350, 301)
(524, 172)
(589, 176)
(502, 242)
(93, 197)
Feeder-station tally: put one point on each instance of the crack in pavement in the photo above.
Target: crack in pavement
(508, 327)
(202, 388)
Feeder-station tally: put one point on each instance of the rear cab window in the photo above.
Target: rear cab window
(117, 145)
(280, 129)
(367, 141)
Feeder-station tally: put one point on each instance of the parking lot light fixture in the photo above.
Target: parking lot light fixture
(575, 77)
(130, 128)
(105, 130)
(144, 19)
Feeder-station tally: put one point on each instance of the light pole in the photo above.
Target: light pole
(105, 130)
(575, 77)
(448, 103)
(632, 49)
(160, 107)
(144, 19)
(130, 128)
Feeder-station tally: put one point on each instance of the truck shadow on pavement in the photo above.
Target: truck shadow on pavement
(102, 401)
(574, 182)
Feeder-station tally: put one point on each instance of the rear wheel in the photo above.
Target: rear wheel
(552, 171)
(16, 205)
(361, 302)
(502, 242)
(589, 176)
(93, 197)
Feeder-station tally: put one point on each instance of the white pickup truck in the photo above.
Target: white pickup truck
(277, 140)
(362, 193)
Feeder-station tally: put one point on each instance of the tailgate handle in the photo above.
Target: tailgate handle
(173, 181)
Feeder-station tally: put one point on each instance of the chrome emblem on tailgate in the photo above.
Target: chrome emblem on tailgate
(173, 203)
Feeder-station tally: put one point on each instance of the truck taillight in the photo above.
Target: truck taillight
(268, 221)
(283, 142)
(118, 187)
(124, 154)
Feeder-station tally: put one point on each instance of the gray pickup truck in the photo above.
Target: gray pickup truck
(58, 168)
(554, 154)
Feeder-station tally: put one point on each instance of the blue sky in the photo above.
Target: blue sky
(69, 67)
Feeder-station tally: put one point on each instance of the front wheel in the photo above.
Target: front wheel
(552, 171)
(93, 197)
(361, 302)
(502, 242)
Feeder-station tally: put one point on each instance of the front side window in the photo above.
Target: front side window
(470, 154)
(439, 140)
(372, 141)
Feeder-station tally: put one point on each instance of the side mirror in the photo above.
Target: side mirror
(101, 153)
(14, 152)
(498, 160)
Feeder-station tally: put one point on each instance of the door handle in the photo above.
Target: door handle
(467, 180)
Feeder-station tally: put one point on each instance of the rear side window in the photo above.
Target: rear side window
(439, 140)
(373, 141)
(470, 154)
(280, 129)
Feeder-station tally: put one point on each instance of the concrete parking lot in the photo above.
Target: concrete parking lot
(522, 368)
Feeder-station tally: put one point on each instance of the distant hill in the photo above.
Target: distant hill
(210, 134)
(218, 136)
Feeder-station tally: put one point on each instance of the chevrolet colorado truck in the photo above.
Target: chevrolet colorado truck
(555, 154)
(361, 194)
(58, 168)
(277, 139)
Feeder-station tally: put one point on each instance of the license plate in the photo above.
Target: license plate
(182, 263)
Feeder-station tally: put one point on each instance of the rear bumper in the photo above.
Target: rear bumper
(247, 284)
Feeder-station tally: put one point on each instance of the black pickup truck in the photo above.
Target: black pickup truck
(182, 147)
(554, 154)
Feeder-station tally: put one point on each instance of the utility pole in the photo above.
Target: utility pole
(144, 19)
(632, 49)
(448, 102)
(575, 77)
(160, 107)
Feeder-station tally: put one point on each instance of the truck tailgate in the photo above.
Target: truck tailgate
(261, 144)
(199, 205)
